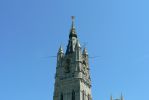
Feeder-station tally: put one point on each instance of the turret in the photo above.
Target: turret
(78, 53)
(78, 59)
(85, 56)
(85, 52)
(60, 55)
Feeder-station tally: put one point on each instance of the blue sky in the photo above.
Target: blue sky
(115, 30)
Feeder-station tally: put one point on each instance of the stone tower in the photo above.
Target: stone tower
(72, 78)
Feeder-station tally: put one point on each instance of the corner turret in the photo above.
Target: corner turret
(60, 55)
(78, 53)
(85, 52)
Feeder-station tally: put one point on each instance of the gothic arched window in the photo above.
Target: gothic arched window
(61, 98)
(73, 95)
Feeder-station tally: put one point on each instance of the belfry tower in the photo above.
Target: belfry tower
(72, 78)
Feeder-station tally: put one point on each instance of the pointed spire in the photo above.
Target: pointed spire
(111, 98)
(122, 98)
(72, 39)
(60, 49)
(85, 51)
(78, 44)
(72, 30)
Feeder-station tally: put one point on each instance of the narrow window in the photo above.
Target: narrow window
(73, 95)
(61, 97)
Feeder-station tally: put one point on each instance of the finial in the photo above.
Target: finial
(85, 51)
(73, 18)
(72, 30)
(60, 49)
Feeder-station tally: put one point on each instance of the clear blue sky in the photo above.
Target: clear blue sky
(115, 30)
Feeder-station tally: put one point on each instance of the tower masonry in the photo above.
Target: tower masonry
(72, 77)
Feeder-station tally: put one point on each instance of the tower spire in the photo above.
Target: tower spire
(72, 39)
(122, 98)
(111, 98)
(60, 49)
(72, 30)
(72, 78)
